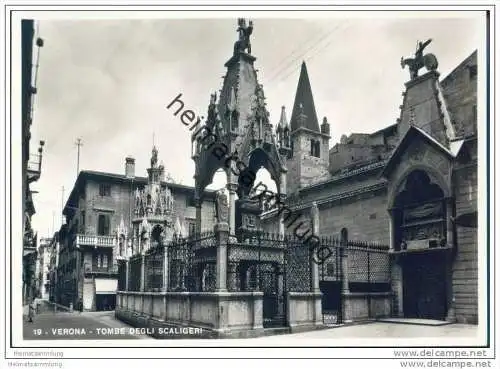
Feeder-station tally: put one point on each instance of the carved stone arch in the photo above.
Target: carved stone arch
(157, 234)
(257, 159)
(398, 183)
(208, 165)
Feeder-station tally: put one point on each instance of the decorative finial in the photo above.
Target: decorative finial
(213, 98)
(283, 121)
(154, 157)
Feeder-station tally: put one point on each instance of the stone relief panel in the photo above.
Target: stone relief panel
(438, 161)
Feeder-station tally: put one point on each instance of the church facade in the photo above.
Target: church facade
(411, 186)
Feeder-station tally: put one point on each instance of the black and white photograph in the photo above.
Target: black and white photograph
(273, 180)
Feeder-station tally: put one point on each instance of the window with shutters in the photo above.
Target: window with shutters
(104, 189)
(103, 224)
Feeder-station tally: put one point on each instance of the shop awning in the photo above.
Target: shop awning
(105, 286)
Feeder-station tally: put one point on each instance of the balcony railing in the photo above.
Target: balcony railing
(96, 241)
(34, 165)
(91, 269)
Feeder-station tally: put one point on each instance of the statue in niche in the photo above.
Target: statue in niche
(137, 201)
(221, 207)
(144, 200)
(157, 202)
(429, 61)
(244, 33)
(213, 98)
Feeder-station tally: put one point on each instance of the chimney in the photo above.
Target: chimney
(129, 167)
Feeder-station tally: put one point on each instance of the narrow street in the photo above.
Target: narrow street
(49, 325)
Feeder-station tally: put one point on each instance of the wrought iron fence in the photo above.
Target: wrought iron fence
(134, 279)
(122, 275)
(192, 263)
(191, 266)
(298, 257)
(153, 262)
(351, 266)
(368, 267)
(273, 265)
(250, 258)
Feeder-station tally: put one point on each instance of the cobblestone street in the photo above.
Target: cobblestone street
(70, 326)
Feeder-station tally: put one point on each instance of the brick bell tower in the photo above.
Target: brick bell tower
(308, 162)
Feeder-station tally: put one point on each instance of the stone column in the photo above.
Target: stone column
(166, 269)
(222, 234)
(115, 252)
(344, 265)
(450, 235)
(281, 290)
(313, 263)
(232, 187)
(450, 241)
(397, 288)
(198, 204)
(392, 231)
(127, 274)
(143, 272)
(450, 295)
(232, 282)
(282, 193)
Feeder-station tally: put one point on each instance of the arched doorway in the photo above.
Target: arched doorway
(420, 236)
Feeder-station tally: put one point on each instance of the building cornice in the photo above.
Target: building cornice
(329, 200)
(342, 176)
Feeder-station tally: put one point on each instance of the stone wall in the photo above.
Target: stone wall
(460, 93)
(340, 187)
(365, 218)
(465, 265)
(221, 313)
(344, 155)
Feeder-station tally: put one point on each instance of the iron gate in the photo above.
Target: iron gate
(273, 265)
(351, 266)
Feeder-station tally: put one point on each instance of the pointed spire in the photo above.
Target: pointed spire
(183, 232)
(304, 104)
(154, 157)
(283, 122)
(177, 227)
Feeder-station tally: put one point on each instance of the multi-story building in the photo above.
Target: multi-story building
(31, 163)
(53, 251)
(101, 221)
(43, 267)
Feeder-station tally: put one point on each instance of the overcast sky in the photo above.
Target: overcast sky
(109, 81)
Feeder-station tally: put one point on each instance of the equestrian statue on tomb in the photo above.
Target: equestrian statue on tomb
(429, 61)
